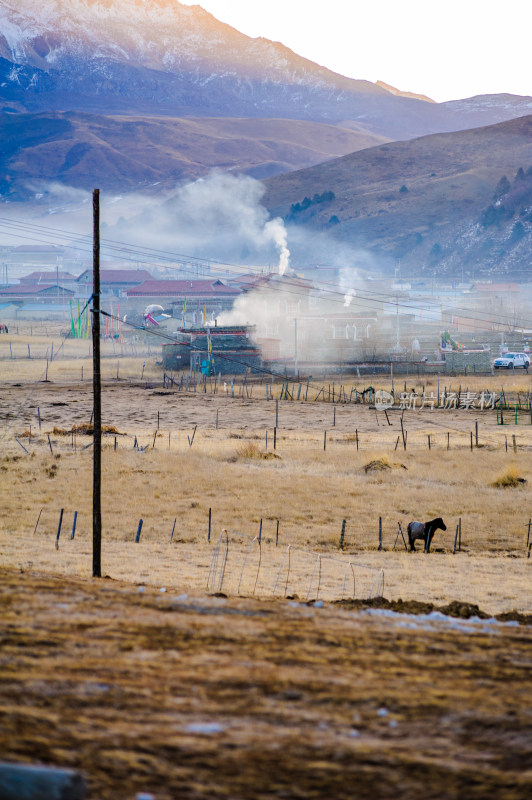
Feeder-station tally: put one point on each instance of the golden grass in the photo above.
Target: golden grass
(309, 496)
(308, 489)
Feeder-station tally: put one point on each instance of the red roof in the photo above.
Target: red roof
(123, 276)
(48, 276)
(189, 289)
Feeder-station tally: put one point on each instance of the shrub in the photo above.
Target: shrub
(249, 450)
(508, 480)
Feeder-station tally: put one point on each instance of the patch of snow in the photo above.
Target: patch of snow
(436, 619)
(207, 728)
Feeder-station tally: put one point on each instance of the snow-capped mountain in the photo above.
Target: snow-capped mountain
(162, 53)
(163, 57)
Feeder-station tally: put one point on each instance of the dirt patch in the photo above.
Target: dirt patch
(382, 464)
(196, 696)
(455, 609)
(86, 430)
(377, 465)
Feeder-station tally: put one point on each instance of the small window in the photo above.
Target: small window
(340, 332)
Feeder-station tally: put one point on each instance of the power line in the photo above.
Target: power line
(335, 292)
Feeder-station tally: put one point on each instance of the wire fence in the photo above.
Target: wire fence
(256, 445)
(247, 566)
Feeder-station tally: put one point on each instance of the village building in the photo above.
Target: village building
(48, 277)
(113, 282)
(225, 350)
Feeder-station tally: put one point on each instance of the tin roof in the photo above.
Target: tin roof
(182, 288)
(121, 276)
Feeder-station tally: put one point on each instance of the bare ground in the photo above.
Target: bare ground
(195, 696)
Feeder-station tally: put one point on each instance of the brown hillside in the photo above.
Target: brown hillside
(121, 153)
(401, 198)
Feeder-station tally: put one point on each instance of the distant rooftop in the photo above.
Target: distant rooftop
(117, 276)
(48, 276)
(182, 288)
(497, 287)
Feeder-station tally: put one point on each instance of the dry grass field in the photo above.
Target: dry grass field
(147, 681)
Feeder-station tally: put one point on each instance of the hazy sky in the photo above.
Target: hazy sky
(447, 49)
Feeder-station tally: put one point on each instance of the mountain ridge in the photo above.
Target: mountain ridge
(176, 60)
(128, 153)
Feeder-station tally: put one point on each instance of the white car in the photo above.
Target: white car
(512, 361)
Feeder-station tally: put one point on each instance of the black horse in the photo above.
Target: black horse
(425, 531)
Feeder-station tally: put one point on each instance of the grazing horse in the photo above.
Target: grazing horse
(425, 531)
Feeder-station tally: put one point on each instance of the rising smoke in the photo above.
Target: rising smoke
(221, 217)
(218, 217)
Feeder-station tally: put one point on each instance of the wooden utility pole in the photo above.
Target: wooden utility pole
(97, 396)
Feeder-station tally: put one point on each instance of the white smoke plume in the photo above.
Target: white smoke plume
(218, 217)
(276, 228)
(348, 297)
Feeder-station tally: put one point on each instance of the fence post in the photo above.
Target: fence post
(137, 537)
(59, 529)
(36, 524)
(74, 525)
(209, 531)
(380, 533)
(342, 535)
(277, 534)
(455, 540)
